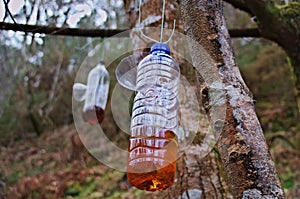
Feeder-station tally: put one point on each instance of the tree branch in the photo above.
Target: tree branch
(7, 11)
(62, 31)
(247, 32)
(240, 4)
(250, 32)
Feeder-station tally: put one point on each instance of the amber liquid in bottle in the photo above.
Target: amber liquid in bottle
(152, 161)
(94, 115)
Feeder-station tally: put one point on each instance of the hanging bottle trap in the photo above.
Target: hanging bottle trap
(153, 142)
(94, 94)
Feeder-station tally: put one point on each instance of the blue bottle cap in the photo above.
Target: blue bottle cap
(102, 62)
(160, 47)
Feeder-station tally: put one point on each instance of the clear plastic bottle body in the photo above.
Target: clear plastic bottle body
(153, 143)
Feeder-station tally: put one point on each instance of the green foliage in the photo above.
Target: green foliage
(247, 53)
(8, 124)
(73, 189)
(290, 10)
(13, 177)
(265, 69)
(90, 188)
(289, 14)
(33, 86)
(288, 180)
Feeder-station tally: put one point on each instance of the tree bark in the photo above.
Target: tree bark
(248, 164)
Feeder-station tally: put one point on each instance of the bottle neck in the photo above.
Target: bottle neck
(161, 48)
(159, 52)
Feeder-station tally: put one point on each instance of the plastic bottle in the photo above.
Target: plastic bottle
(94, 94)
(153, 142)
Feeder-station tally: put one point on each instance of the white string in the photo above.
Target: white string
(173, 31)
(162, 25)
(140, 28)
(162, 20)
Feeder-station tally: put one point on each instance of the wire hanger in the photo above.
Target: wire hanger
(162, 25)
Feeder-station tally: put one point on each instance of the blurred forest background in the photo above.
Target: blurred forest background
(41, 155)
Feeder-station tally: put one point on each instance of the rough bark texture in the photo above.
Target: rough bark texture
(281, 24)
(196, 177)
(249, 167)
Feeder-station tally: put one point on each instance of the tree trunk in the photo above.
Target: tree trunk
(249, 167)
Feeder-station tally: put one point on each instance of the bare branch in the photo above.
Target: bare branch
(51, 30)
(56, 76)
(240, 4)
(28, 16)
(7, 11)
(248, 32)
(251, 32)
